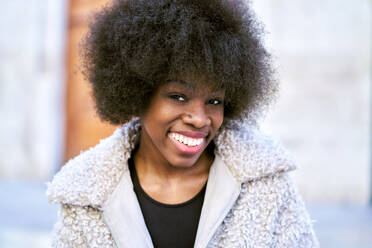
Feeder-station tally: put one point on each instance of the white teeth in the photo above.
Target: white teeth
(186, 140)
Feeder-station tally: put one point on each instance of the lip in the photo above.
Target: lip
(192, 134)
(185, 149)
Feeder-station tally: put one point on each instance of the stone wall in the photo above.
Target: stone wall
(322, 52)
(31, 87)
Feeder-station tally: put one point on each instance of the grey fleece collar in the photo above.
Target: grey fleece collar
(90, 178)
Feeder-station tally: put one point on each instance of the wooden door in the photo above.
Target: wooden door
(83, 127)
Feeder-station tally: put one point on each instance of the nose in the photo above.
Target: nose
(197, 116)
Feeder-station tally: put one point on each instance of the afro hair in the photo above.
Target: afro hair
(134, 45)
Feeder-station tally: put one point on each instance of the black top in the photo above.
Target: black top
(170, 225)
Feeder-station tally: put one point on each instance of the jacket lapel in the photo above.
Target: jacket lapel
(124, 218)
(221, 193)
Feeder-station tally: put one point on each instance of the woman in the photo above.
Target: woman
(189, 167)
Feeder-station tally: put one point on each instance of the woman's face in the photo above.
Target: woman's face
(182, 119)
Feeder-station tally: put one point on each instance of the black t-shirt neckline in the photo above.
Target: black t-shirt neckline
(138, 186)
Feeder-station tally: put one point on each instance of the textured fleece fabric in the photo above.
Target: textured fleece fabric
(267, 213)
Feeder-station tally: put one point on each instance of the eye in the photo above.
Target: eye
(179, 98)
(215, 101)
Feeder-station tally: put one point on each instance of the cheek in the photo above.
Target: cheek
(218, 119)
(159, 113)
(166, 112)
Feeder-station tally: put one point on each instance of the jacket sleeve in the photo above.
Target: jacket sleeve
(66, 232)
(294, 227)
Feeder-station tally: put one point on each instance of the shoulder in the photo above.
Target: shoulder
(272, 211)
(293, 225)
(79, 226)
(89, 178)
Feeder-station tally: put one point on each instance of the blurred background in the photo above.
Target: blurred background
(322, 52)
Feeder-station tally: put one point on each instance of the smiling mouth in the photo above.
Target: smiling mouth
(186, 140)
(186, 145)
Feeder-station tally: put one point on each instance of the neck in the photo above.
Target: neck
(151, 164)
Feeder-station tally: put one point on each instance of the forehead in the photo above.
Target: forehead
(194, 86)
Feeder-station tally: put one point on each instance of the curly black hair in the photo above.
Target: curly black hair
(134, 45)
